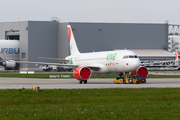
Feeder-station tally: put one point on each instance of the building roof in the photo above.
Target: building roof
(151, 52)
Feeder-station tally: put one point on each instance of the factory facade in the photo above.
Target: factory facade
(50, 38)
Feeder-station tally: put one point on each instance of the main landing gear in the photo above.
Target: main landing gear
(81, 81)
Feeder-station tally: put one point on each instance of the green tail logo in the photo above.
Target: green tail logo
(71, 61)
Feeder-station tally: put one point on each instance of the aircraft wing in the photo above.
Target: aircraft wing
(55, 59)
(43, 63)
(96, 68)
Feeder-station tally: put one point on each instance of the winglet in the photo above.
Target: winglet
(4, 55)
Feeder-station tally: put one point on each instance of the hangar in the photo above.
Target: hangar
(50, 38)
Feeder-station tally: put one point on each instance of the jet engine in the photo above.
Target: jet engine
(9, 63)
(141, 71)
(82, 73)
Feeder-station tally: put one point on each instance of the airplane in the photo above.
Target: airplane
(100, 62)
(7, 63)
(11, 49)
(122, 61)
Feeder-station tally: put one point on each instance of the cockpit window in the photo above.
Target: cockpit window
(125, 57)
(130, 56)
(135, 56)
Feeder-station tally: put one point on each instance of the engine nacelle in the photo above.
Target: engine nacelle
(9, 64)
(82, 73)
(141, 71)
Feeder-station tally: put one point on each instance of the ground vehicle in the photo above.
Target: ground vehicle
(47, 67)
(134, 79)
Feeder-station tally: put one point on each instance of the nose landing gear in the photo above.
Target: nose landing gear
(120, 79)
(81, 81)
(135, 79)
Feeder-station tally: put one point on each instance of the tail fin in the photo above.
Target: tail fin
(177, 59)
(4, 55)
(73, 47)
(176, 54)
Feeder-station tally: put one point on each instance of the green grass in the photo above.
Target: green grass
(71, 75)
(91, 104)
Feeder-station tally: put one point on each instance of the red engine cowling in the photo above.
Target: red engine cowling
(82, 73)
(141, 71)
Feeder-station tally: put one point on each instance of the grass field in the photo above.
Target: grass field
(71, 75)
(90, 104)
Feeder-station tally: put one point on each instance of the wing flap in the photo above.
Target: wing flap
(54, 59)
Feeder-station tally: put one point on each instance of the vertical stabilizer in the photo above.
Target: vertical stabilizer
(177, 59)
(4, 55)
(73, 47)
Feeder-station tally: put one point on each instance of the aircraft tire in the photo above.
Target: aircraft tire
(85, 81)
(80, 82)
(124, 81)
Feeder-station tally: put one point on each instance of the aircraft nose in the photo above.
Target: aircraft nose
(136, 64)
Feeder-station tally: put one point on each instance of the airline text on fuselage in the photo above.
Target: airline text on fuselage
(10, 50)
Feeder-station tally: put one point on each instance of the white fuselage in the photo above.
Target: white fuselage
(11, 49)
(108, 62)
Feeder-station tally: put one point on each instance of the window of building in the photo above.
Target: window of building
(23, 55)
(12, 35)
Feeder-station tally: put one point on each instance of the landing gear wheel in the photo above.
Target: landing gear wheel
(120, 75)
(85, 81)
(80, 82)
(124, 82)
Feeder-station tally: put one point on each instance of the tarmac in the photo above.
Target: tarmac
(19, 83)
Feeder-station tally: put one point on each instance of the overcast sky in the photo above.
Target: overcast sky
(119, 11)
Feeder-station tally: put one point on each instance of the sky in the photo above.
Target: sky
(111, 11)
